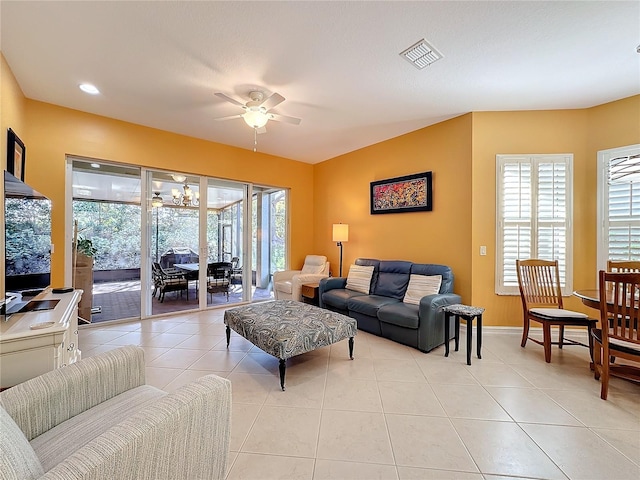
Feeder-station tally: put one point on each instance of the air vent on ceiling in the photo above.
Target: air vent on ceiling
(421, 54)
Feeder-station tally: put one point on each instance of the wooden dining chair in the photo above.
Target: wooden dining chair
(623, 266)
(539, 283)
(619, 334)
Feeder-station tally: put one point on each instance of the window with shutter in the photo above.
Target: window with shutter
(533, 215)
(618, 204)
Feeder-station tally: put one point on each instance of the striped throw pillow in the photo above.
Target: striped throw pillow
(359, 278)
(420, 286)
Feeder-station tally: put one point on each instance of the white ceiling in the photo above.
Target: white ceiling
(337, 63)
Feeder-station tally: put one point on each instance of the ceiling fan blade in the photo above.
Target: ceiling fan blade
(229, 99)
(272, 101)
(284, 118)
(229, 117)
(261, 130)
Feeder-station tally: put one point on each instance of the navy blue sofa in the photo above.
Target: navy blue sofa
(383, 312)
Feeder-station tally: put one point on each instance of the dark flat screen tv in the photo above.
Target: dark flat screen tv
(27, 218)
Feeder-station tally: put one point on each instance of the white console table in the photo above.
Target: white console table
(26, 353)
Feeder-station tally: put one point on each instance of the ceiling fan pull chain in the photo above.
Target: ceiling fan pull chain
(255, 139)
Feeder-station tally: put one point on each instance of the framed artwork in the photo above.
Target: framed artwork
(411, 193)
(16, 155)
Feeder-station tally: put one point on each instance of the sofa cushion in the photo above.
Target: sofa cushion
(421, 286)
(17, 457)
(338, 298)
(368, 304)
(53, 446)
(359, 278)
(401, 314)
(393, 278)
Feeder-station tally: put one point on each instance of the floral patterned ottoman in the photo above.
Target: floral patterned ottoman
(286, 328)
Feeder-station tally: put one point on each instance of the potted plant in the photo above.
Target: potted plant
(85, 253)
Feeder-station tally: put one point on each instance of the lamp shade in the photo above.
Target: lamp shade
(340, 232)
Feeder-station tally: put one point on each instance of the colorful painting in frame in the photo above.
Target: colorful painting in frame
(411, 193)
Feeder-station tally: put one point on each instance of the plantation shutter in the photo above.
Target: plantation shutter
(623, 209)
(533, 215)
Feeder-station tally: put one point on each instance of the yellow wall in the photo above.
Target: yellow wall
(441, 236)
(528, 132)
(54, 132)
(462, 152)
(12, 105)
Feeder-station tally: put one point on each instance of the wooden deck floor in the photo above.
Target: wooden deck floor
(120, 300)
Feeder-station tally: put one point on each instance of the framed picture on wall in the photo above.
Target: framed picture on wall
(411, 193)
(16, 155)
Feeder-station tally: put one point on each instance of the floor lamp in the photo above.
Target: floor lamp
(340, 234)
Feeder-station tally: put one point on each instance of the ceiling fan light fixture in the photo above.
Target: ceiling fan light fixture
(255, 118)
(178, 178)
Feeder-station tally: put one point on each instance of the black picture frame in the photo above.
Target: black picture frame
(410, 193)
(16, 155)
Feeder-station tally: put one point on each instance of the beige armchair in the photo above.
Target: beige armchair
(287, 284)
(97, 419)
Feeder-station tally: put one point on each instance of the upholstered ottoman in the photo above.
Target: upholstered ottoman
(286, 328)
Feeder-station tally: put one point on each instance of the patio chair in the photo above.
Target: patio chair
(164, 281)
(219, 278)
(236, 271)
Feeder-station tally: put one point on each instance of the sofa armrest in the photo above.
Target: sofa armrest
(330, 283)
(284, 275)
(41, 403)
(432, 304)
(431, 330)
(184, 435)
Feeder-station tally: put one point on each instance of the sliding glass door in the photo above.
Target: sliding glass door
(167, 242)
(174, 241)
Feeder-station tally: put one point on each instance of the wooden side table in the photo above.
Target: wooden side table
(310, 293)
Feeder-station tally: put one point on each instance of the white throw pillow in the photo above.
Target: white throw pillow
(421, 286)
(359, 278)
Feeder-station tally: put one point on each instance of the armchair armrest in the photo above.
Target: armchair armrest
(184, 435)
(41, 403)
(308, 278)
(284, 275)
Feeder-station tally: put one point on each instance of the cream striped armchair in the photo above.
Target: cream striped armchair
(96, 419)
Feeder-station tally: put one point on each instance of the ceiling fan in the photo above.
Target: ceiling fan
(256, 111)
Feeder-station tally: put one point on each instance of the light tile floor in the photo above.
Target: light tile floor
(397, 413)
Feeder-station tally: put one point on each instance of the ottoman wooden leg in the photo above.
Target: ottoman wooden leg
(351, 348)
(228, 335)
(283, 367)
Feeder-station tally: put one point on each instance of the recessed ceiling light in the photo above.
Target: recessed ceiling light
(88, 88)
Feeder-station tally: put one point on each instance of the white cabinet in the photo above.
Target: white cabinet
(26, 352)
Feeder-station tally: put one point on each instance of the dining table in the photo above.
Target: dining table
(590, 298)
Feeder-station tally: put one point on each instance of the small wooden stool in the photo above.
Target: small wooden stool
(468, 314)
